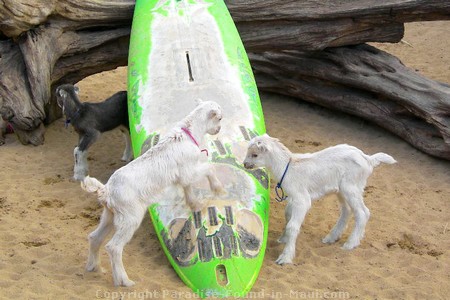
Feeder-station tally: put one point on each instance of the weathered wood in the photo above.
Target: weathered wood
(338, 18)
(315, 35)
(366, 82)
(45, 57)
(19, 16)
(14, 88)
(302, 10)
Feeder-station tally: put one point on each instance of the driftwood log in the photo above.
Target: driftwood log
(366, 82)
(293, 43)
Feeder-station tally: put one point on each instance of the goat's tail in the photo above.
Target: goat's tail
(92, 185)
(381, 157)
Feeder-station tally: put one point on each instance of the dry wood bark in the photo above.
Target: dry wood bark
(44, 57)
(366, 82)
(46, 43)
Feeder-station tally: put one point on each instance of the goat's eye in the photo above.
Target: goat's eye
(254, 155)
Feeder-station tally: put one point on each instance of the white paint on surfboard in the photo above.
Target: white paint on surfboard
(170, 93)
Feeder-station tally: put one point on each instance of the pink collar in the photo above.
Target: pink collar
(194, 140)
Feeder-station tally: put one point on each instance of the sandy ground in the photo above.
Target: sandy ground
(45, 218)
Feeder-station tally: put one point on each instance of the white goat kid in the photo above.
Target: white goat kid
(176, 159)
(341, 169)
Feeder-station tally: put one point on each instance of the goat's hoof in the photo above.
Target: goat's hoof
(127, 159)
(94, 268)
(329, 240)
(125, 282)
(282, 240)
(220, 192)
(78, 177)
(196, 207)
(349, 246)
(283, 259)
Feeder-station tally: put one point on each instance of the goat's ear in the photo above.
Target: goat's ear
(261, 146)
(198, 101)
(212, 114)
(62, 93)
(77, 89)
(60, 96)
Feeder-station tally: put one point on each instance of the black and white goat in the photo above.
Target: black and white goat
(90, 120)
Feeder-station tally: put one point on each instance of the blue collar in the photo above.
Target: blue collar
(278, 187)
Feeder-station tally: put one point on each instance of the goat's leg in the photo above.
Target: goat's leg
(189, 196)
(188, 176)
(367, 217)
(299, 208)
(81, 168)
(194, 175)
(354, 198)
(287, 217)
(127, 153)
(125, 226)
(214, 183)
(336, 233)
(207, 169)
(96, 239)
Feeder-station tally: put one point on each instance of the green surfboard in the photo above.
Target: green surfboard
(181, 51)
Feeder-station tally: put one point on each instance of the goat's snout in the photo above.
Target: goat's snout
(248, 165)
